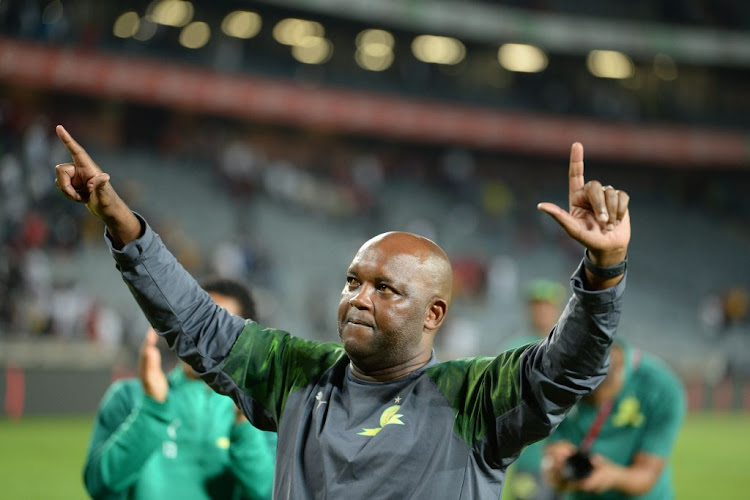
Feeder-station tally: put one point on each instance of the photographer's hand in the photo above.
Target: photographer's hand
(555, 455)
(636, 479)
(605, 476)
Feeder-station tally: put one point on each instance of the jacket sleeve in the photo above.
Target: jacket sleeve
(572, 361)
(196, 329)
(252, 459)
(505, 403)
(127, 431)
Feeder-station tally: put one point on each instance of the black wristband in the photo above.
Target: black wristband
(604, 272)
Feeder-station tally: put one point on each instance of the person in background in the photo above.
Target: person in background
(616, 442)
(170, 436)
(544, 300)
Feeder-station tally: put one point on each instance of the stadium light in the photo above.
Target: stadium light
(313, 50)
(293, 31)
(374, 50)
(438, 49)
(374, 36)
(195, 35)
(174, 13)
(373, 63)
(610, 64)
(241, 24)
(146, 30)
(522, 58)
(665, 67)
(126, 25)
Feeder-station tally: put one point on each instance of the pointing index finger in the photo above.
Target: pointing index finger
(71, 145)
(575, 171)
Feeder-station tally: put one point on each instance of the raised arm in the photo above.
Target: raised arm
(533, 388)
(572, 361)
(198, 330)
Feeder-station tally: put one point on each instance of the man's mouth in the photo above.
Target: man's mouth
(359, 322)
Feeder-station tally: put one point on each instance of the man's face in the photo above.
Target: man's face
(543, 316)
(230, 304)
(383, 307)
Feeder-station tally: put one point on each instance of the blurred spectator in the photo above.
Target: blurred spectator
(469, 277)
(170, 436)
(103, 325)
(617, 441)
(241, 166)
(736, 303)
(722, 313)
(502, 279)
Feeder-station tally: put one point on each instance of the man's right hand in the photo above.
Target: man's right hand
(84, 182)
(152, 376)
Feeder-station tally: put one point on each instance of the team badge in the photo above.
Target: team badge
(388, 417)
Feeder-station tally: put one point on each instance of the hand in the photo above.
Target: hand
(555, 455)
(83, 181)
(604, 477)
(152, 377)
(598, 217)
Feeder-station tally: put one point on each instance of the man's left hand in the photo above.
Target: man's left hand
(598, 216)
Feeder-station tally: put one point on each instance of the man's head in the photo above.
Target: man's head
(396, 296)
(232, 296)
(544, 298)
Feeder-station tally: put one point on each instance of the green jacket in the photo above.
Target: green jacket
(187, 447)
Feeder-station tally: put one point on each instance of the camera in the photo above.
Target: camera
(577, 466)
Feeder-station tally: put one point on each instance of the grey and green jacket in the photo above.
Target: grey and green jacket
(446, 431)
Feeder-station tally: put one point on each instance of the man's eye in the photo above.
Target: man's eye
(384, 288)
(352, 281)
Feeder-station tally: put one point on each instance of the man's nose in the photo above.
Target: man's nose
(361, 299)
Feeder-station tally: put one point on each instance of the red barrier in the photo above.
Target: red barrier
(15, 392)
(280, 101)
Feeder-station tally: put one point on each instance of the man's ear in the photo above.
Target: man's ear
(436, 313)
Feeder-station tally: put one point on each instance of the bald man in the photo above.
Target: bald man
(377, 416)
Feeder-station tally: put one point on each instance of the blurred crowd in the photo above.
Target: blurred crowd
(33, 223)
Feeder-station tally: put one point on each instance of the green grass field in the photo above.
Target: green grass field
(41, 458)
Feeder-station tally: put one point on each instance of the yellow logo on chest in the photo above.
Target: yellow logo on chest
(388, 417)
(628, 413)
